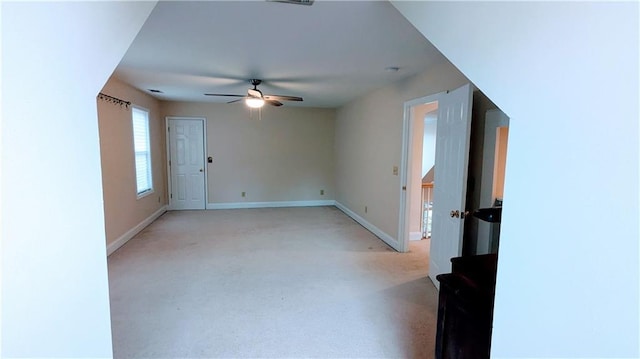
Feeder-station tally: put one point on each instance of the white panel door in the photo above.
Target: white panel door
(186, 164)
(450, 181)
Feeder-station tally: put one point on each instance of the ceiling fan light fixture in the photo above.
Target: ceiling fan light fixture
(295, 2)
(254, 102)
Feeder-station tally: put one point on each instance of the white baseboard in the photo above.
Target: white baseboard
(415, 236)
(113, 246)
(373, 229)
(237, 205)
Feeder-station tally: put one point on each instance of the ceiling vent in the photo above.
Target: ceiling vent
(296, 2)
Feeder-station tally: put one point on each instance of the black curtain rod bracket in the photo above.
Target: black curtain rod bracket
(114, 100)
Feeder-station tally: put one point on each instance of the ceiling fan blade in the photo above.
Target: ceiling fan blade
(282, 98)
(254, 93)
(234, 101)
(273, 103)
(222, 94)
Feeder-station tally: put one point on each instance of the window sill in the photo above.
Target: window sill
(144, 194)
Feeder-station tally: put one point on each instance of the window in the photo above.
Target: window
(140, 119)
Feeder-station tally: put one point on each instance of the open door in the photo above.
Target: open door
(450, 182)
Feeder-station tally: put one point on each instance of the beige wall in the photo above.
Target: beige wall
(286, 154)
(122, 210)
(417, 136)
(502, 138)
(368, 145)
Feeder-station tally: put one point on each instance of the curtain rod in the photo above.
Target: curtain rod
(114, 100)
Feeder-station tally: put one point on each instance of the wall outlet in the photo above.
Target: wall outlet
(365, 209)
(395, 170)
(244, 194)
(322, 192)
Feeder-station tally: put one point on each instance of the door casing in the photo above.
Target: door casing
(204, 152)
(405, 181)
(405, 168)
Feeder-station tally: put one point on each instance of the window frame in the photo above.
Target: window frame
(148, 152)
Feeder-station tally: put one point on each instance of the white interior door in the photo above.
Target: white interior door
(450, 181)
(186, 164)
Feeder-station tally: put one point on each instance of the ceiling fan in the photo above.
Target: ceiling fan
(256, 99)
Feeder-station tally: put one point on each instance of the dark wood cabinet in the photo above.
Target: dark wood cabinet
(465, 308)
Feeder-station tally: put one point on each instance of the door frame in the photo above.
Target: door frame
(204, 156)
(405, 168)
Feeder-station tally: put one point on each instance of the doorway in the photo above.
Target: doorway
(187, 171)
(494, 158)
(411, 167)
(423, 146)
(450, 175)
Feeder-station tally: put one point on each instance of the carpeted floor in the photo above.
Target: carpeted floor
(276, 283)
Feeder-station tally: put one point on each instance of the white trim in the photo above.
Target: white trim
(168, 160)
(238, 205)
(415, 236)
(392, 242)
(113, 246)
(145, 193)
(405, 168)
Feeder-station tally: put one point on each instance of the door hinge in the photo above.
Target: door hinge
(169, 163)
(171, 195)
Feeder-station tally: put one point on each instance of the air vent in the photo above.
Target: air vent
(296, 2)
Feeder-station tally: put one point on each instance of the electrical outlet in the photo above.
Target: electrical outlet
(244, 194)
(395, 170)
(322, 192)
(365, 209)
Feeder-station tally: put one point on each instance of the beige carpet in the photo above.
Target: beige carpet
(276, 283)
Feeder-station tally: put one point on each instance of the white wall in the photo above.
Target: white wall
(368, 144)
(286, 155)
(568, 272)
(55, 299)
(429, 142)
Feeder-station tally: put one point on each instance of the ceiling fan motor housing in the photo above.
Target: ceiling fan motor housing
(255, 94)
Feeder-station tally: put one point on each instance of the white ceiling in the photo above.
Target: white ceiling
(328, 53)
